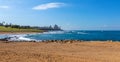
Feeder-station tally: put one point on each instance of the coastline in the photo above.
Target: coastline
(60, 52)
(19, 32)
(57, 41)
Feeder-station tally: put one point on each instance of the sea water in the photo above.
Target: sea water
(71, 35)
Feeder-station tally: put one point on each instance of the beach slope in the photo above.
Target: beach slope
(59, 52)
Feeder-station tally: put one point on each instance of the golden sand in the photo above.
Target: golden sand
(60, 52)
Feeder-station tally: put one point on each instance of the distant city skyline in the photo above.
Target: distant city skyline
(69, 14)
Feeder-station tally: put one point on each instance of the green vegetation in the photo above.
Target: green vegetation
(9, 29)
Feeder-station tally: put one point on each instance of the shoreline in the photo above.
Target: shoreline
(18, 33)
(56, 41)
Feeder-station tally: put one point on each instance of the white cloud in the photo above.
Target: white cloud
(48, 6)
(4, 7)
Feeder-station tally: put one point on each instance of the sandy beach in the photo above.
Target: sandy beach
(59, 52)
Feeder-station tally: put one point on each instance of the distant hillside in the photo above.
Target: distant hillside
(9, 29)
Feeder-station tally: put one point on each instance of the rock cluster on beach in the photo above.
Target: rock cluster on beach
(61, 41)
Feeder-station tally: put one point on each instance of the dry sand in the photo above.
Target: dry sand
(60, 52)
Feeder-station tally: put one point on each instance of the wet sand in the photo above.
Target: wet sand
(59, 52)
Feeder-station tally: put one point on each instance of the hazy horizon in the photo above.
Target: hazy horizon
(69, 14)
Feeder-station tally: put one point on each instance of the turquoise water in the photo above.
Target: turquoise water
(77, 35)
(67, 35)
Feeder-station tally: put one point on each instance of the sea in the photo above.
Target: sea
(67, 35)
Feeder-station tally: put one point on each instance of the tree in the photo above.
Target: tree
(50, 27)
(3, 22)
(56, 27)
(15, 26)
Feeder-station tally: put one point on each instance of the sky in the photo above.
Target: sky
(69, 14)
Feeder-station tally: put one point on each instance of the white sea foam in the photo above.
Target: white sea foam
(2, 36)
(54, 32)
(18, 38)
(63, 32)
(81, 33)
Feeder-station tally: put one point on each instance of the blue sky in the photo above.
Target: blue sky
(69, 14)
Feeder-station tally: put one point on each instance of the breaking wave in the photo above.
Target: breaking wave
(16, 37)
(19, 38)
(54, 32)
(81, 33)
